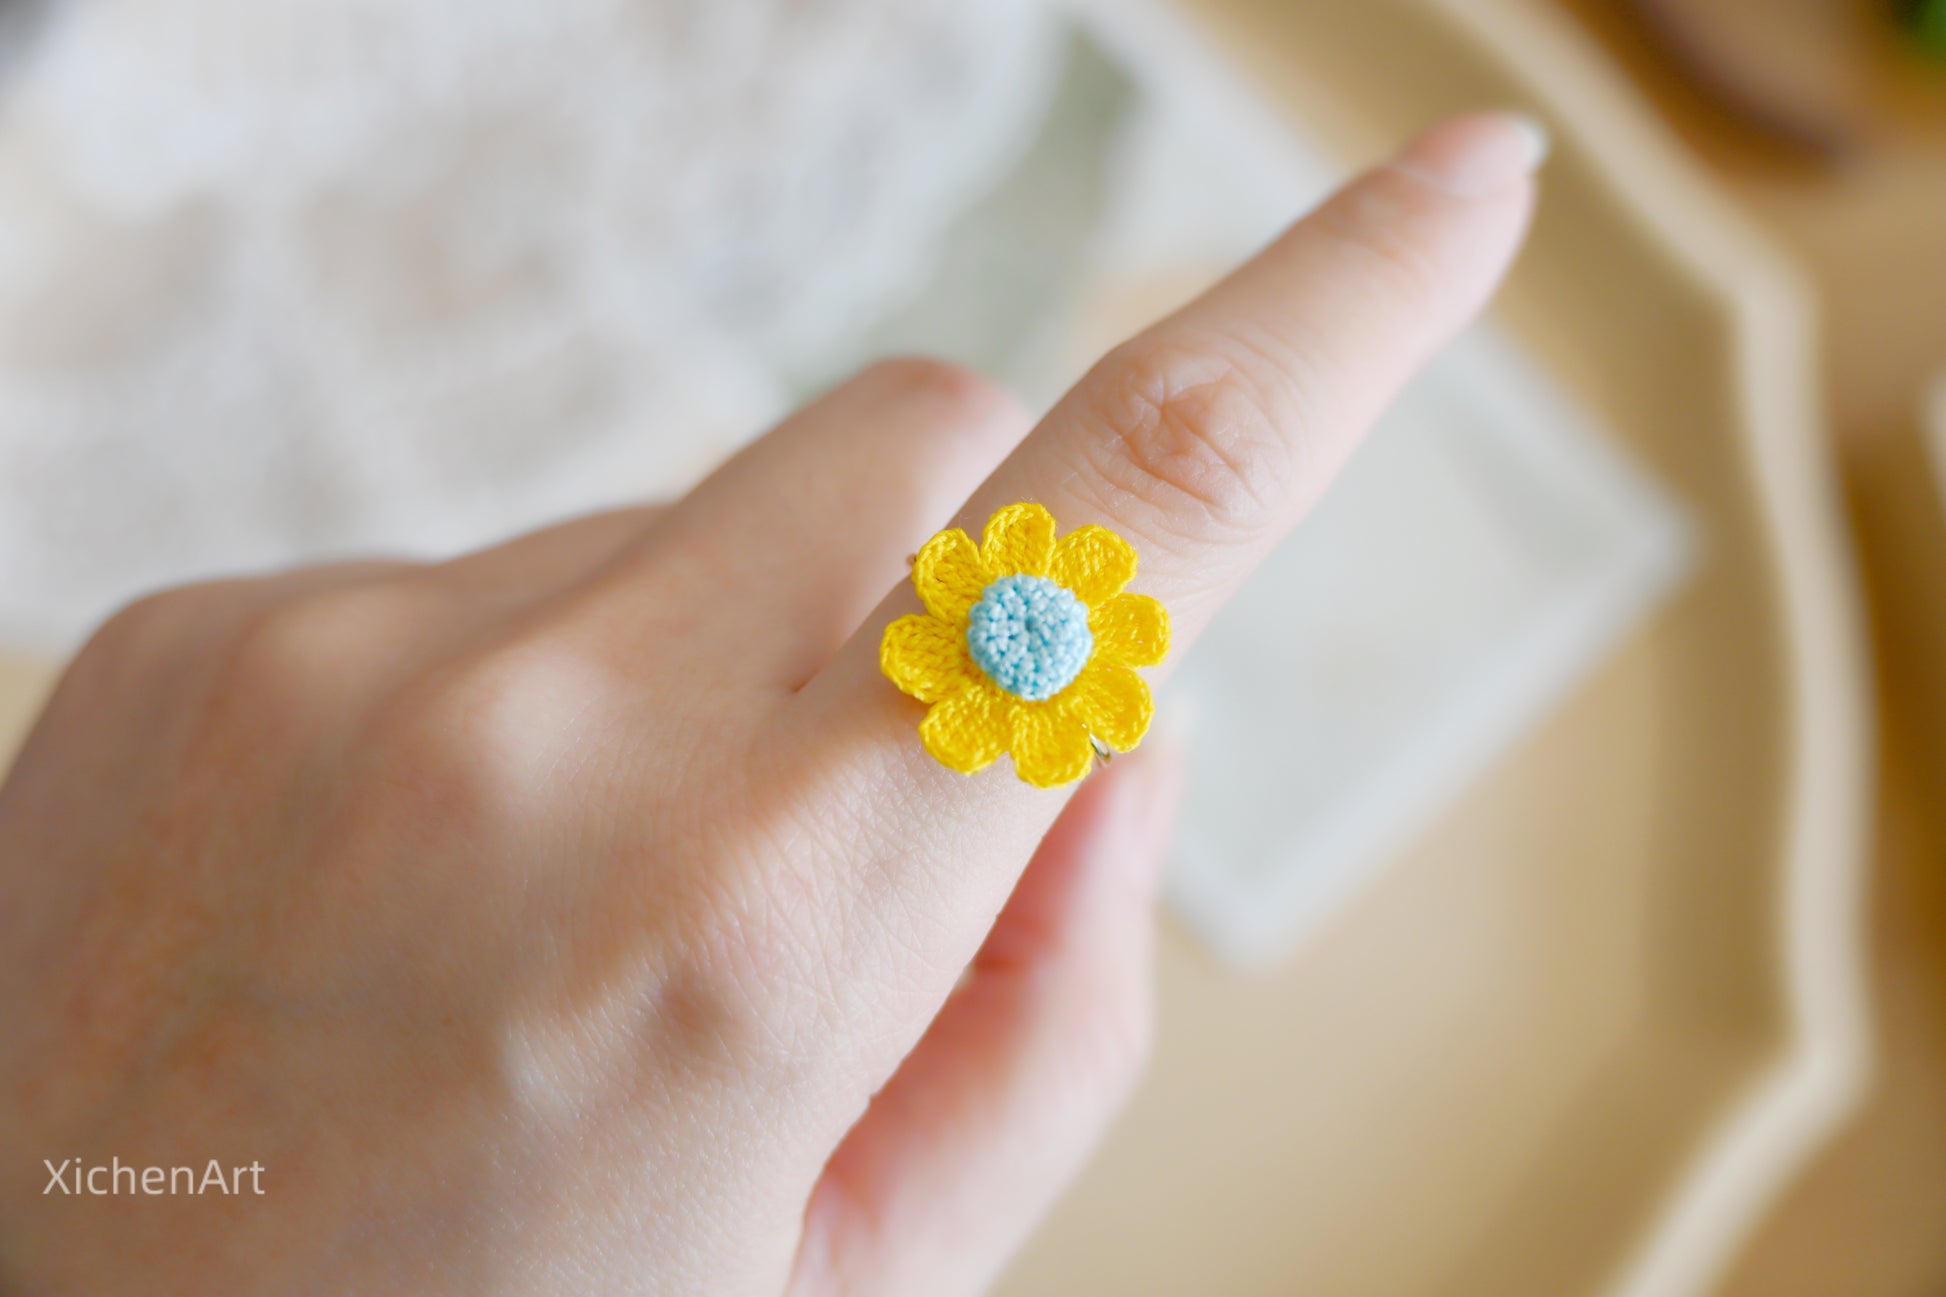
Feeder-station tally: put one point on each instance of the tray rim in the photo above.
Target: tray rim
(1811, 1085)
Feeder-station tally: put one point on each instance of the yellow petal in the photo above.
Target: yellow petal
(926, 657)
(1050, 744)
(1019, 541)
(967, 731)
(1093, 562)
(1130, 628)
(949, 575)
(1113, 702)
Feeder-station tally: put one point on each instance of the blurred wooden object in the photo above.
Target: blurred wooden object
(1585, 1030)
(1797, 70)
(1870, 1218)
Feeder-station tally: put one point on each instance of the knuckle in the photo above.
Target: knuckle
(290, 651)
(153, 633)
(787, 946)
(741, 991)
(766, 960)
(508, 724)
(1190, 425)
(704, 1013)
(136, 627)
(740, 996)
(958, 395)
(769, 925)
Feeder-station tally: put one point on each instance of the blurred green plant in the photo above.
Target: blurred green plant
(1926, 19)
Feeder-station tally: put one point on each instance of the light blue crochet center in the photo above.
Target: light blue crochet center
(1030, 635)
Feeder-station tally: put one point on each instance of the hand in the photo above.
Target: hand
(584, 915)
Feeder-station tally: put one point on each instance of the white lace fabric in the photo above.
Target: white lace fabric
(282, 279)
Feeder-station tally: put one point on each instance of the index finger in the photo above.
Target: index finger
(1205, 439)
(1202, 441)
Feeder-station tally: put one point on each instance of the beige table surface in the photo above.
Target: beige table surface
(23, 685)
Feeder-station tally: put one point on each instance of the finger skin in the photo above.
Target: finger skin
(1206, 438)
(820, 513)
(1202, 441)
(554, 556)
(1013, 1084)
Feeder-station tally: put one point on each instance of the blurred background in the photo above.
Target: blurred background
(1592, 937)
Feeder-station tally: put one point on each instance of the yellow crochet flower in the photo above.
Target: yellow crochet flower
(1028, 646)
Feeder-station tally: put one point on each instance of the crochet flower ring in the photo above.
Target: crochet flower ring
(1028, 645)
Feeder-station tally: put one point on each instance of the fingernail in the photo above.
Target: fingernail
(1478, 155)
